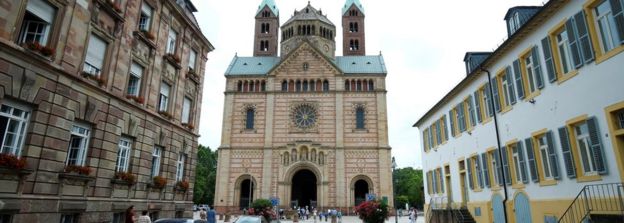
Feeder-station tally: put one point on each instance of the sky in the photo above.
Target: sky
(423, 43)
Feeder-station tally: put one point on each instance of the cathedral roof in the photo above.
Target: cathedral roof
(270, 4)
(261, 66)
(309, 13)
(351, 2)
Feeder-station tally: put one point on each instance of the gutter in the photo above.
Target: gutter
(498, 142)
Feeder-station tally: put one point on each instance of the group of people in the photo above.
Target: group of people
(304, 213)
(210, 216)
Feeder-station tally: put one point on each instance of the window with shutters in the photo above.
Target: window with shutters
(37, 22)
(494, 168)
(543, 152)
(123, 154)
(620, 119)
(531, 73)
(163, 99)
(603, 28)
(486, 111)
(145, 19)
(171, 41)
(517, 164)
(134, 79)
(477, 175)
(515, 160)
(545, 157)
(78, 144)
(96, 52)
(469, 110)
(156, 158)
(562, 53)
(582, 149)
(187, 104)
(506, 93)
(13, 124)
(425, 140)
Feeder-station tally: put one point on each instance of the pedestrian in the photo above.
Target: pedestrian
(144, 218)
(202, 214)
(212, 215)
(130, 218)
(412, 216)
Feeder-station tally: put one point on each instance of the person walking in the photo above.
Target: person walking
(144, 218)
(202, 214)
(130, 218)
(412, 215)
(212, 215)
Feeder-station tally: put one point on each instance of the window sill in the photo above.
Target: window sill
(618, 132)
(477, 190)
(544, 183)
(532, 95)
(496, 188)
(506, 109)
(591, 178)
(565, 77)
(517, 186)
(485, 121)
(603, 57)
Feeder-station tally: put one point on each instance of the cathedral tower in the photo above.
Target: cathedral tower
(309, 24)
(266, 31)
(353, 32)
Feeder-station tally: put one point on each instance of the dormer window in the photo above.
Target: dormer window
(514, 22)
(266, 14)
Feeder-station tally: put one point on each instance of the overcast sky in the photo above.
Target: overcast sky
(423, 43)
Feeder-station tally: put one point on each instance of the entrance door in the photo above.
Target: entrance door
(303, 188)
(497, 207)
(246, 194)
(464, 189)
(360, 191)
(522, 209)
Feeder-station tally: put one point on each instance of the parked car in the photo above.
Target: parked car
(179, 220)
(248, 219)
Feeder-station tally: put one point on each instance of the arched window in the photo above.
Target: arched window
(298, 86)
(267, 28)
(293, 156)
(353, 87)
(351, 27)
(308, 31)
(305, 85)
(359, 118)
(347, 85)
(263, 86)
(286, 158)
(261, 45)
(298, 30)
(246, 87)
(312, 85)
(240, 86)
(355, 27)
(249, 123)
(313, 155)
(252, 86)
(325, 86)
(284, 85)
(371, 86)
(313, 30)
(351, 45)
(291, 86)
(357, 44)
(359, 85)
(365, 85)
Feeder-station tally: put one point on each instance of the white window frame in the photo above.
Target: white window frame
(505, 89)
(584, 149)
(45, 12)
(485, 103)
(171, 41)
(94, 61)
(136, 73)
(187, 104)
(495, 169)
(147, 13)
(605, 22)
(180, 166)
(515, 156)
(156, 159)
(192, 59)
(542, 145)
(123, 154)
(530, 71)
(565, 55)
(70, 218)
(163, 100)
(81, 132)
(8, 110)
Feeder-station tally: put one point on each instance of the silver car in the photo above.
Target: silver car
(179, 220)
(248, 219)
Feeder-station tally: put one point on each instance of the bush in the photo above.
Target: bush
(262, 207)
(372, 211)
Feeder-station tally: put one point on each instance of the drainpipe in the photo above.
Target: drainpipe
(498, 141)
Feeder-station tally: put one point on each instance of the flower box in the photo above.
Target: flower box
(182, 185)
(138, 99)
(159, 182)
(11, 161)
(36, 47)
(165, 114)
(125, 177)
(82, 170)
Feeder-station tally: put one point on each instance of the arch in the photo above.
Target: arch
(355, 27)
(371, 85)
(325, 86)
(252, 86)
(522, 208)
(313, 30)
(365, 85)
(353, 87)
(268, 28)
(246, 86)
(304, 188)
(244, 190)
(319, 85)
(291, 171)
(305, 85)
(359, 84)
(298, 86)
(249, 120)
(239, 86)
(359, 117)
(284, 85)
(312, 85)
(299, 30)
(347, 85)
(263, 86)
(291, 86)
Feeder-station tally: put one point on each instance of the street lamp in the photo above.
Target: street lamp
(396, 211)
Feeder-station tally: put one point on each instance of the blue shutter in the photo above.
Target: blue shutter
(510, 85)
(552, 155)
(478, 113)
(523, 170)
(505, 163)
(488, 100)
(548, 58)
(485, 167)
(435, 181)
(574, 43)
(446, 134)
(498, 168)
(518, 79)
(424, 140)
(441, 181)
(470, 180)
(568, 160)
(430, 135)
(531, 157)
(596, 145)
(461, 117)
(478, 171)
(617, 8)
(537, 67)
(495, 97)
(471, 111)
(584, 41)
(452, 119)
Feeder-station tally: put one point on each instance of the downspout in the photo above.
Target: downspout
(498, 141)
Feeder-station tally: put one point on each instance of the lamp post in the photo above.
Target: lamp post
(250, 191)
(396, 211)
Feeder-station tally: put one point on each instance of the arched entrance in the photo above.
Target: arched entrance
(360, 190)
(522, 208)
(303, 189)
(246, 193)
(498, 209)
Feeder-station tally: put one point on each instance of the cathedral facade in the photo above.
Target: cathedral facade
(305, 127)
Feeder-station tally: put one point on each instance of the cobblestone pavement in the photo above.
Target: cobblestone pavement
(345, 219)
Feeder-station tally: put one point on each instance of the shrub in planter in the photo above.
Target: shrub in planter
(159, 182)
(34, 46)
(182, 185)
(372, 211)
(46, 51)
(11, 161)
(262, 207)
(126, 176)
(82, 170)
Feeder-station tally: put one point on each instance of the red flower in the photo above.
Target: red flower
(12, 162)
(159, 182)
(126, 176)
(82, 170)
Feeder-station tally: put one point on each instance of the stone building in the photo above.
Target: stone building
(98, 98)
(305, 127)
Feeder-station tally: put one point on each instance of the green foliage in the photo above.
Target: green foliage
(372, 211)
(261, 204)
(409, 183)
(401, 201)
(205, 176)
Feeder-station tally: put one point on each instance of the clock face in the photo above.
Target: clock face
(304, 116)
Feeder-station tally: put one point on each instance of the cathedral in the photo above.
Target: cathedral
(302, 126)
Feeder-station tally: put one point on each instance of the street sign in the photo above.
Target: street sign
(370, 197)
(275, 201)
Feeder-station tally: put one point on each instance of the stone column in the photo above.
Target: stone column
(267, 162)
(340, 161)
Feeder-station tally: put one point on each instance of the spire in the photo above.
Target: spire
(269, 3)
(349, 3)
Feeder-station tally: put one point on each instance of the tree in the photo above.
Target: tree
(205, 176)
(409, 183)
